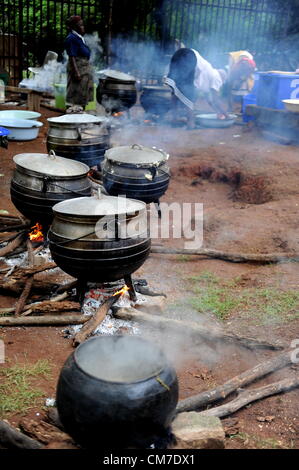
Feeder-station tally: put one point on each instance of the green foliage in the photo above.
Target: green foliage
(257, 305)
(16, 392)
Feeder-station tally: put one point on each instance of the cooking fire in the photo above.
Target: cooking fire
(122, 291)
(36, 234)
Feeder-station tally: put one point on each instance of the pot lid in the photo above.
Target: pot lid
(157, 88)
(99, 205)
(136, 154)
(117, 75)
(50, 164)
(77, 119)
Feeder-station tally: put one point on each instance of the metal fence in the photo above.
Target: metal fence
(29, 28)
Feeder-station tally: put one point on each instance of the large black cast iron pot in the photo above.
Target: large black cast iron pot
(116, 91)
(99, 239)
(136, 171)
(42, 180)
(81, 137)
(117, 392)
(156, 100)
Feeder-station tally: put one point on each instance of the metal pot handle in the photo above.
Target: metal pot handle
(153, 171)
(52, 155)
(161, 151)
(139, 147)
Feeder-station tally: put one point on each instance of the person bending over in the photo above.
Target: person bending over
(189, 73)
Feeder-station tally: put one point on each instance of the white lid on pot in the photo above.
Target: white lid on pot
(79, 118)
(99, 205)
(136, 154)
(50, 164)
(117, 75)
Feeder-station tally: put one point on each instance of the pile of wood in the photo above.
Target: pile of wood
(40, 301)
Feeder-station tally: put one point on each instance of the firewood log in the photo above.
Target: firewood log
(219, 393)
(234, 257)
(11, 438)
(95, 320)
(45, 320)
(194, 329)
(43, 432)
(11, 246)
(249, 396)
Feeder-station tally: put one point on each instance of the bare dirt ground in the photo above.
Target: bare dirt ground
(249, 190)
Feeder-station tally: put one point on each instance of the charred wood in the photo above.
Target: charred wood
(28, 283)
(95, 320)
(11, 438)
(51, 307)
(12, 245)
(44, 432)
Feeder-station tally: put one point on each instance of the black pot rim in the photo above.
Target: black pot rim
(111, 381)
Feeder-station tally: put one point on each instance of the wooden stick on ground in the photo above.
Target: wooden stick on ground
(95, 320)
(14, 283)
(22, 272)
(43, 431)
(10, 438)
(14, 286)
(49, 306)
(57, 298)
(221, 392)
(194, 330)
(72, 318)
(11, 246)
(14, 228)
(234, 257)
(28, 284)
(250, 396)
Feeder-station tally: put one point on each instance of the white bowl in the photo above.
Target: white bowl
(19, 114)
(292, 105)
(21, 129)
(211, 120)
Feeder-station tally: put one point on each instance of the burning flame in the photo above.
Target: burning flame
(36, 234)
(120, 113)
(122, 291)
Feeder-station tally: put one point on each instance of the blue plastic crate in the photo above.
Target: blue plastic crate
(275, 87)
(248, 99)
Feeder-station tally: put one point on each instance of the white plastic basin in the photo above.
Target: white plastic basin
(21, 129)
(19, 114)
(292, 105)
